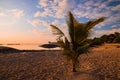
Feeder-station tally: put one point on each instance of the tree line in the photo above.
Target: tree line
(111, 38)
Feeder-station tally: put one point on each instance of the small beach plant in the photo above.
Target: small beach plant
(75, 44)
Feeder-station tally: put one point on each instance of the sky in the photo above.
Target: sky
(27, 21)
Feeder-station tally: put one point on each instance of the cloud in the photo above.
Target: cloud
(45, 13)
(55, 8)
(17, 12)
(10, 17)
(63, 7)
(92, 9)
(56, 22)
(116, 8)
(66, 4)
(34, 22)
(38, 22)
(43, 3)
(114, 26)
(2, 15)
(12, 12)
(37, 14)
(41, 14)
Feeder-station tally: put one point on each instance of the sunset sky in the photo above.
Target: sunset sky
(27, 21)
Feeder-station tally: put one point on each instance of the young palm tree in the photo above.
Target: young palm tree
(78, 34)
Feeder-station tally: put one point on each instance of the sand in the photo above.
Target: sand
(98, 64)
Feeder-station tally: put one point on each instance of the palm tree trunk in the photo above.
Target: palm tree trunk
(74, 66)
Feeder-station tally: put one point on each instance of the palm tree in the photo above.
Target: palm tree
(76, 44)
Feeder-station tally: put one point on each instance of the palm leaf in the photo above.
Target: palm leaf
(63, 44)
(70, 26)
(82, 31)
(67, 44)
(83, 48)
(80, 34)
(57, 31)
(91, 24)
(76, 30)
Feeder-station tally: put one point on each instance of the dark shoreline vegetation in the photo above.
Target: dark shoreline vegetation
(8, 50)
(111, 38)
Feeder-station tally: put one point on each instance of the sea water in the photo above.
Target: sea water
(29, 47)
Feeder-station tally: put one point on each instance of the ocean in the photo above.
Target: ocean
(29, 47)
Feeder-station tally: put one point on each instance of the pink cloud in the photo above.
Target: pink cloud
(17, 12)
(34, 22)
(43, 3)
(2, 15)
(38, 22)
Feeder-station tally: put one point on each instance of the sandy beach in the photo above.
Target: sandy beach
(100, 63)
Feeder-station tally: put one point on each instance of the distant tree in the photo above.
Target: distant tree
(111, 37)
(117, 37)
(104, 38)
(78, 34)
(96, 41)
(117, 34)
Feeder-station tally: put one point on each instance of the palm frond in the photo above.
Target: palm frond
(70, 26)
(82, 31)
(61, 43)
(57, 31)
(80, 34)
(83, 48)
(67, 44)
(91, 24)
